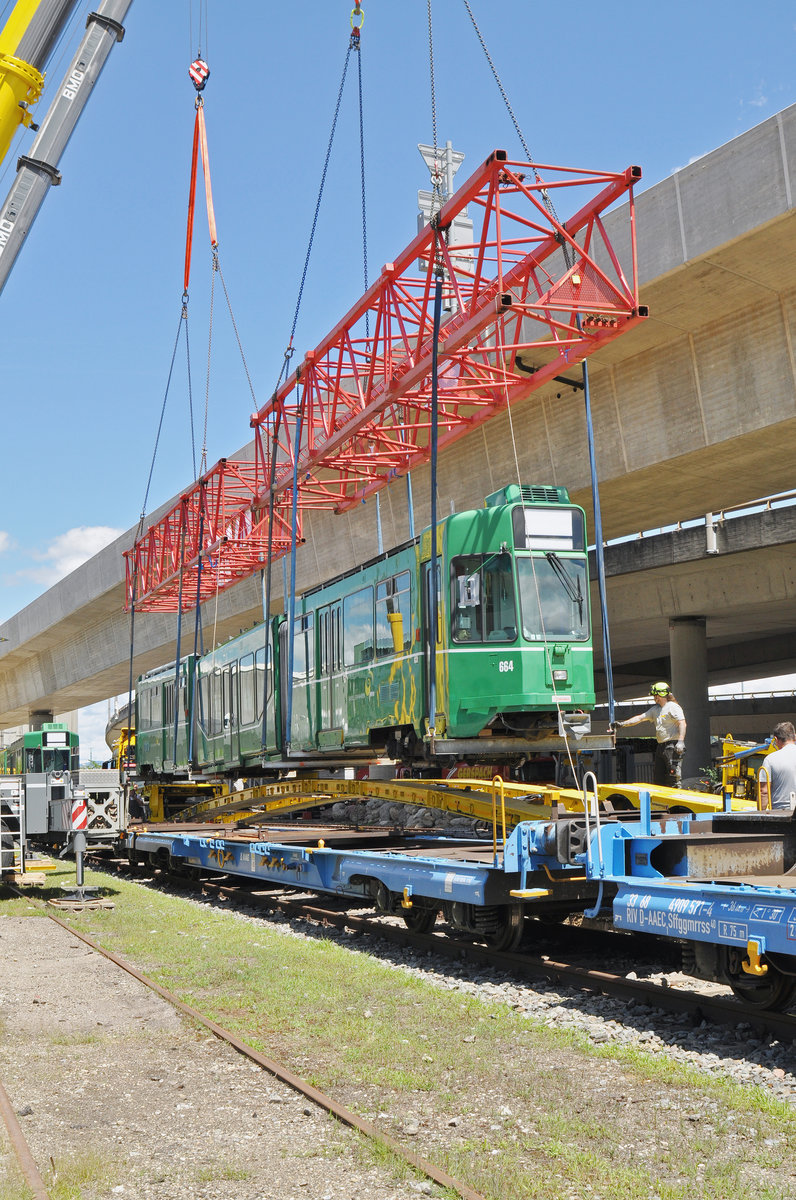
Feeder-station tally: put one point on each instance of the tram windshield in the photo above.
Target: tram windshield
(553, 598)
(483, 604)
(56, 760)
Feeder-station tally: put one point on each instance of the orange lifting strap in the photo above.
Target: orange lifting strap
(199, 145)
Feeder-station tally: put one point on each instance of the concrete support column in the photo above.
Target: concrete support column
(689, 682)
(40, 717)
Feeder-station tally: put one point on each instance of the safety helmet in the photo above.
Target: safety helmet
(660, 689)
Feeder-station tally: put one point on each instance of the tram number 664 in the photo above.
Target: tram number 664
(505, 664)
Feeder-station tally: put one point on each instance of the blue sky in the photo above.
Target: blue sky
(91, 310)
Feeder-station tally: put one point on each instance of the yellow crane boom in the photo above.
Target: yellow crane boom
(21, 83)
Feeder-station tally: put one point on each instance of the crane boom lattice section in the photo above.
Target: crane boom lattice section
(530, 297)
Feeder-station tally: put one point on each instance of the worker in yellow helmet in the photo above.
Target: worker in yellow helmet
(670, 726)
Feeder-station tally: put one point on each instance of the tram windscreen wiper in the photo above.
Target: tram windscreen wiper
(572, 588)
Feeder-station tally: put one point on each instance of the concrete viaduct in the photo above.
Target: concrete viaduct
(691, 409)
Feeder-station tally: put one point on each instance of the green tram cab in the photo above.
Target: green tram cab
(51, 749)
(516, 634)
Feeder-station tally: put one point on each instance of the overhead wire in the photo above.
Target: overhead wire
(201, 7)
(354, 45)
(439, 272)
(288, 353)
(540, 606)
(199, 73)
(568, 256)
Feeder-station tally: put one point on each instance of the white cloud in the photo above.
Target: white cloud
(68, 551)
(5, 541)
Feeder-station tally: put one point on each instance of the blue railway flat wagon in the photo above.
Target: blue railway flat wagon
(722, 885)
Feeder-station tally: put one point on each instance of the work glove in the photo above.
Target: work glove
(680, 747)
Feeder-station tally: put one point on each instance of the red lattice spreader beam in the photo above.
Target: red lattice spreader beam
(528, 299)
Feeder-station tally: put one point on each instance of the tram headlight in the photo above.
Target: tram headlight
(559, 676)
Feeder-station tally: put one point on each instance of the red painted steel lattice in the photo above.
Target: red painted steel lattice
(529, 298)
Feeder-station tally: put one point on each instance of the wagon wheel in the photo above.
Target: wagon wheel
(507, 932)
(419, 920)
(770, 991)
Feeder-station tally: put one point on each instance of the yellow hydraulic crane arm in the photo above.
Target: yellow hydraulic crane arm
(27, 41)
(20, 83)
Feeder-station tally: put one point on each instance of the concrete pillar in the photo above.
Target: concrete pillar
(40, 717)
(689, 682)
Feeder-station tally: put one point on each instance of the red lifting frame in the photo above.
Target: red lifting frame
(518, 310)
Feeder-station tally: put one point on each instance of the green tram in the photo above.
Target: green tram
(512, 649)
(52, 748)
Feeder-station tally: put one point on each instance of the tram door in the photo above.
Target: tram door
(331, 682)
(229, 683)
(428, 608)
(296, 688)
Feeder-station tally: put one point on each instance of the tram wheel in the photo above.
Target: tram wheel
(419, 920)
(770, 991)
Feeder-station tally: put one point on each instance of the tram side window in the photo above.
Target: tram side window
(216, 703)
(330, 641)
(393, 616)
(483, 604)
(259, 680)
(358, 628)
(246, 679)
(205, 705)
(304, 649)
(229, 699)
(168, 705)
(144, 709)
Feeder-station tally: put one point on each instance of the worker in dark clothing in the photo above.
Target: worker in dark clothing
(137, 807)
(670, 729)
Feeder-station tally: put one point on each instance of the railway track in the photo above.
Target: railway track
(527, 965)
(339, 1111)
(21, 1149)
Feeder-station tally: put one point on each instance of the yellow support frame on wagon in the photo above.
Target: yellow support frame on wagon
(475, 798)
(740, 764)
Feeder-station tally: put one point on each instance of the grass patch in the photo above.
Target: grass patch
(74, 1175)
(12, 905)
(515, 1108)
(13, 1187)
(72, 1178)
(75, 1039)
(221, 1171)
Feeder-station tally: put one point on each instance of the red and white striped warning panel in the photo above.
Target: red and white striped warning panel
(79, 814)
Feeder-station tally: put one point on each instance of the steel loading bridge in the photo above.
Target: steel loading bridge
(684, 408)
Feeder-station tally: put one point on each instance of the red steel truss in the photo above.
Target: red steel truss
(526, 300)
